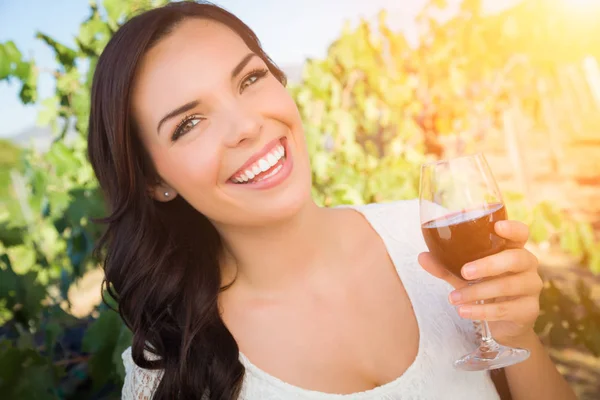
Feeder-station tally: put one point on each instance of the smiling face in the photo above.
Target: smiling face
(221, 130)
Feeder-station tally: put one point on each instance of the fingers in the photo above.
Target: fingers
(528, 284)
(507, 261)
(435, 268)
(521, 311)
(517, 233)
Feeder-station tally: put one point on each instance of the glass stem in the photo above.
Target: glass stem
(486, 333)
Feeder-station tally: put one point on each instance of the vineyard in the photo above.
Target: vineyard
(522, 85)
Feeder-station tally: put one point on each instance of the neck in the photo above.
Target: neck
(272, 258)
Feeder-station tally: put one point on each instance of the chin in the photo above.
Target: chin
(276, 207)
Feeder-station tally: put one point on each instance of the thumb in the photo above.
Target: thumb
(435, 268)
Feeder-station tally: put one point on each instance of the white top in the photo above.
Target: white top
(444, 336)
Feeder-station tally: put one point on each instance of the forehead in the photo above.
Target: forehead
(196, 35)
(196, 53)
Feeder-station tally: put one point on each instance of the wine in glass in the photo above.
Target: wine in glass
(459, 204)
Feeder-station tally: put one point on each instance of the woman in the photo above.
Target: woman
(234, 282)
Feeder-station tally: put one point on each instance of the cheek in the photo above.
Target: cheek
(191, 169)
(276, 102)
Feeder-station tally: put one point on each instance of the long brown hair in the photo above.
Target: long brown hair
(161, 259)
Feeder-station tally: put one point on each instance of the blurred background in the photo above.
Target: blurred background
(382, 86)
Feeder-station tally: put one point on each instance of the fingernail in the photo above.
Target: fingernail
(455, 297)
(502, 224)
(469, 271)
(465, 311)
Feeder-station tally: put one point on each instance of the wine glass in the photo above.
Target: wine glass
(459, 204)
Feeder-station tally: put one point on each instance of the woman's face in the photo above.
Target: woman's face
(222, 131)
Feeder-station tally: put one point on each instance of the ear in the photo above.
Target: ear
(163, 193)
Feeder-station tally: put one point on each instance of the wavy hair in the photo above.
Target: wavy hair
(161, 260)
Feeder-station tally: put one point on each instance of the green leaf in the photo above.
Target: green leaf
(551, 214)
(12, 52)
(595, 260)
(28, 92)
(23, 70)
(100, 340)
(30, 295)
(570, 241)
(11, 236)
(68, 83)
(539, 231)
(586, 235)
(49, 111)
(116, 11)
(123, 342)
(65, 56)
(26, 375)
(52, 330)
(63, 159)
(5, 63)
(8, 282)
(20, 290)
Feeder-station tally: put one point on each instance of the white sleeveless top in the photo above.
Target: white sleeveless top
(444, 336)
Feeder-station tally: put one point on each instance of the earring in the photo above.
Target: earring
(167, 194)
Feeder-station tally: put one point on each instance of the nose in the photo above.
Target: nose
(245, 125)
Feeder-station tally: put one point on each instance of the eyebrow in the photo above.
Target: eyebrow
(176, 112)
(240, 67)
(188, 106)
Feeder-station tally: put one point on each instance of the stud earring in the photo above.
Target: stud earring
(167, 194)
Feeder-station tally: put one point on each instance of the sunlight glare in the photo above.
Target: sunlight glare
(583, 3)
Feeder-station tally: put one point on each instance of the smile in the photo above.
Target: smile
(269, 169)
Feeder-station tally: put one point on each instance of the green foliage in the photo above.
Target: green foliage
(10, 157)
(551, 225)
(570, 319)
(362, 148)
(373, 110)
(26, 374)
(14, 67)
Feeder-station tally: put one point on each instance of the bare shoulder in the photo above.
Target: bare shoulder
(140, 383)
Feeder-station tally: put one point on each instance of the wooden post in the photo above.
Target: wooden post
(571, 104)
(511, 128)
(592, 73)
(577, 79)
(551, 122)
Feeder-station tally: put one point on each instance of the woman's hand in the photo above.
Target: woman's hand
(510, 286)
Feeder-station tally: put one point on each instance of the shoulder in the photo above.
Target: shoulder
(139, 383)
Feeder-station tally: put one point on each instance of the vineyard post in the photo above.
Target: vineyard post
(551, 122)
(511, 129)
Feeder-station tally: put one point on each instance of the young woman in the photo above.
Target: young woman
(236, 285)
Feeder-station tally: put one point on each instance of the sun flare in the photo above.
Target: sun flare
(583, 3)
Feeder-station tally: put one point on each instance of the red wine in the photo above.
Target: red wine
(466, 236)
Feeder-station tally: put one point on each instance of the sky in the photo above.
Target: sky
(290, 31)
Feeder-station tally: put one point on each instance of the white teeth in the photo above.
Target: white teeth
(263, 165)
(272, 160)
(270, 174)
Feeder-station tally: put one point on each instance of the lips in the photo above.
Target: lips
(263, 164)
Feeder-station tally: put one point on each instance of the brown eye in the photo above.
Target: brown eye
(185, 126)
(252, 78)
